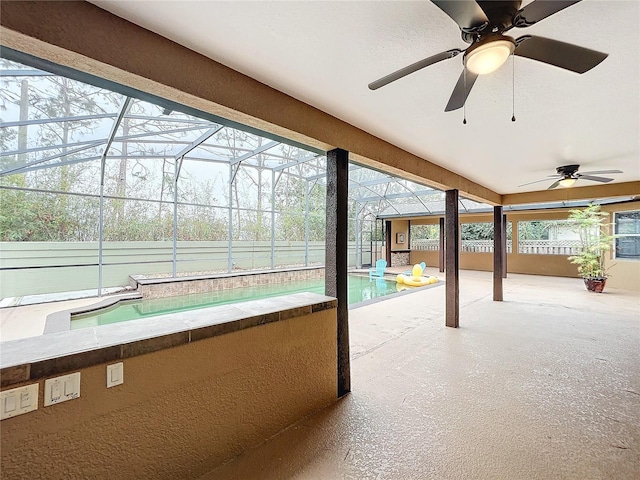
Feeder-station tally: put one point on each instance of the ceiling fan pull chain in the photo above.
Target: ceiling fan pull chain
(464, 105)
(513, 88)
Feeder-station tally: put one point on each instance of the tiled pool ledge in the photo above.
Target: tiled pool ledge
(34, 358)
(173, 286)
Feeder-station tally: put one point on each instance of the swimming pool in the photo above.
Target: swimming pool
(360, 289)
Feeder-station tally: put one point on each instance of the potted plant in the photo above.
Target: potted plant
(591, 225)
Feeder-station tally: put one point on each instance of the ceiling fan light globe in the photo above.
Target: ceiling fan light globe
(488, 57)
(567, 182)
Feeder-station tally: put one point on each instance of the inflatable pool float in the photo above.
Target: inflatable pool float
(415, 279)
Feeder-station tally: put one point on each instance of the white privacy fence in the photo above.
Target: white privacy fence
(549, 247)
(469, 246)
(480, 246)
(536, 247)
(425, 245)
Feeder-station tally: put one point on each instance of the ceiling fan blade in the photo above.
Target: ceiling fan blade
(595, 179)
(537, 181)
(599, 172)
(460, 93)
(553, 185)
(466, 13)
(539, 10)
(560, 54)
(414, 67)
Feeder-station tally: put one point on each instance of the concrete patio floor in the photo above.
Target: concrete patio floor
(545, 385)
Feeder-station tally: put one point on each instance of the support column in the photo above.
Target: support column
(358, 251)
(442, 247)
(374, 257)
(101, 228)
(387, 241)
(504, 246)
(230, 230)
(103, 161)
(498, 243)
(336, 256)
(515, 248)
(273, 219)
(452, 225)
(174, 256)
(306, 224)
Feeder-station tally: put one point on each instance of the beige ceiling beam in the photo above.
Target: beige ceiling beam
(84, 37)
(609, 190)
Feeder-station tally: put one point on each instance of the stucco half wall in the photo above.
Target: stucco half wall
(183, 410)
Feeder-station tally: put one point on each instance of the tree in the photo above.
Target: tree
(36, 216)
(534, 230)
(476, 231)
(291, 205)
(425, 232)
(591, 224)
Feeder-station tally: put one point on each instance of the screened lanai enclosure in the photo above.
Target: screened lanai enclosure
(99, 182)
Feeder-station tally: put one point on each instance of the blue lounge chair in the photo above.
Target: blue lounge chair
(378, 270)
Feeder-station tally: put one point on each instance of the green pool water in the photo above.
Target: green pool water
(360, 290)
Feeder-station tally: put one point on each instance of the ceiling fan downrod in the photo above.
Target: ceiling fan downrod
(513, 87)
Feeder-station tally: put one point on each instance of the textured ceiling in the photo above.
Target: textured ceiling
(326, 53)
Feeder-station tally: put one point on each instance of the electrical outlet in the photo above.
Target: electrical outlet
(61, 389)
(18, 401)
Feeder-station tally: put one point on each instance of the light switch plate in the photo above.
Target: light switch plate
(115, 374)
(18, 401)
(61, 389)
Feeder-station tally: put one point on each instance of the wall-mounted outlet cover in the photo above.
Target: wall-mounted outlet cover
(115, 374)
(61, 389)
(18, 401)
